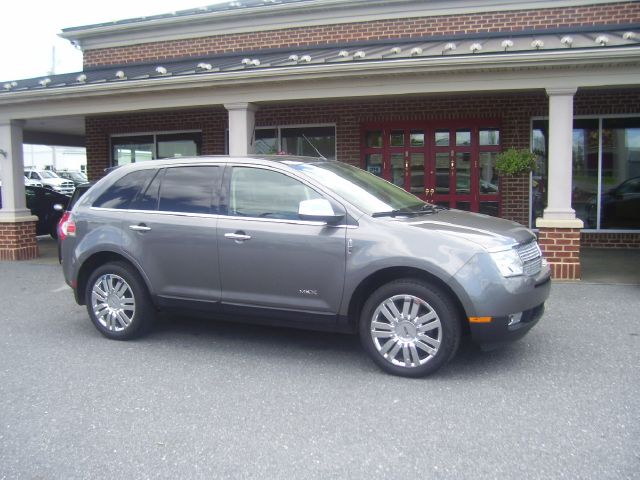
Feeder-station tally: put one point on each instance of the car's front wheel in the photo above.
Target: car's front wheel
(410, 327)
(118, 302)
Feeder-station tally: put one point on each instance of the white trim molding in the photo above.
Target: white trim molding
(289, 15)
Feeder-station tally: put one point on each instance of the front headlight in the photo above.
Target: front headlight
(508, 262)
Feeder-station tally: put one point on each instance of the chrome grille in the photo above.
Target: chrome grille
(531, 257)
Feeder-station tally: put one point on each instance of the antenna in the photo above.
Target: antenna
(314, 147)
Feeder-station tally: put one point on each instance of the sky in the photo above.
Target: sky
(30, 29)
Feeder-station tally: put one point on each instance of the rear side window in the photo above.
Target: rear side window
(123, 191)
(190, 190)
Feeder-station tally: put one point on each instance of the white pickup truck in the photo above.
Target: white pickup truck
(51, 180)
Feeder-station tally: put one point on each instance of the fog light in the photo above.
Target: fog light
(515, 318)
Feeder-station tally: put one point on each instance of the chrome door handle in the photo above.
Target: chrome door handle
(237, 236)
(139, 228)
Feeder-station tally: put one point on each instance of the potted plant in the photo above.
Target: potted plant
(514, 161)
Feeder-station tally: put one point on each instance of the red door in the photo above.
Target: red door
(445, 164)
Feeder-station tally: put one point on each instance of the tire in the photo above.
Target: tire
(118, 302)
(410, 327)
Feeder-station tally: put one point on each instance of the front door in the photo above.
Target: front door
(446, 164)
(270, 260)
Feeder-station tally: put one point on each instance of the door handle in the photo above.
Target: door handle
(238, 237)
(140, 228)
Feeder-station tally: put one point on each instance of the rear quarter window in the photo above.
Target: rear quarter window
(121, 193)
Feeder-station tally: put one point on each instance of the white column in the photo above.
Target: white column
(242, 120)
(559, 212)
(12, 173)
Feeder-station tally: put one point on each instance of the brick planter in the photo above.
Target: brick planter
(561, 248)
(18, 241)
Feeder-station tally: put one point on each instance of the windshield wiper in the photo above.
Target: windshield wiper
(423, 209)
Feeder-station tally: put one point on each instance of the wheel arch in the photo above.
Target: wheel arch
(97, 260)
(389, 274)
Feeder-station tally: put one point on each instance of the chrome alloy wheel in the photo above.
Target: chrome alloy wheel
(113, 302)
(406, 331)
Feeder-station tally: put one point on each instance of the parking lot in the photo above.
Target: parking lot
(199, 399)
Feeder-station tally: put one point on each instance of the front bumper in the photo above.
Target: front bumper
(498, 332)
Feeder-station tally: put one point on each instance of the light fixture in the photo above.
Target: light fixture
(396, 50)
(235, 4)
(416, 51)
(475, 47)
(629, 36)
(567, 41)
(602, 40)
(359, 54)
(7, 86)
(449, 47)
(537, 44)
(343, 53)
(305, 58)
(204, 66)
(81, 78)
(246, 61)
(120, 75)
(293, 58)
(44, 82)
(506, 44)
(161, 70)
(255, 62)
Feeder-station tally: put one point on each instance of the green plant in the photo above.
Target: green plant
(513, 161)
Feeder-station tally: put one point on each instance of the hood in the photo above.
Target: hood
(488, 232)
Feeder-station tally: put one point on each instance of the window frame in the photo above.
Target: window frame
(153, 134)
(279, 128)
(600, 118)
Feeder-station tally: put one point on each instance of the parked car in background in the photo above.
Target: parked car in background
(32, 183)
(78, 192)
(301, 242)
(51, 180)
(47, 205)
(76, 177)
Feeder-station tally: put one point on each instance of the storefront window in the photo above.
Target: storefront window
(305, 141)
(606, 172)
(266, 141)
(140, 148)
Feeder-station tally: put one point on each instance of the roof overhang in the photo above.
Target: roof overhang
(265, 15)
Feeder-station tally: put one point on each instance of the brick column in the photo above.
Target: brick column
(18, 240)
(559, 228)
(17, 225)
(561, 247)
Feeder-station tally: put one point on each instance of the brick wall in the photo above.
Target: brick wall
(610, 240)
(513, 21)
(18, 241)
(211, 121)
(512, 110)
(561, 248)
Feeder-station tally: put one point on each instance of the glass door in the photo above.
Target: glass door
(450, 165)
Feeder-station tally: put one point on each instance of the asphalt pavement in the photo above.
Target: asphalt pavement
(201, 399)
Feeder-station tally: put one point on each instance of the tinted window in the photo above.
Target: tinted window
(264, 193)
(120, 194)
(188, 189)
(147, 199)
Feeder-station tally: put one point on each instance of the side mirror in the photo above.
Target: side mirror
(58, 208)
(318, 210)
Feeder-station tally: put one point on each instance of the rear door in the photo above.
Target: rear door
(170, 228)
(270, 260)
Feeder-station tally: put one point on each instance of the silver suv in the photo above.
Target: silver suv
(305, 243)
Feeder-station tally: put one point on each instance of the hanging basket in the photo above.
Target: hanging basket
(515, 161)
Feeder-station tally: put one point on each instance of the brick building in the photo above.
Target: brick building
(422, 93)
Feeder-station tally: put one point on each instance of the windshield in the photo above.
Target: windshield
(366, 191)
(48, 174)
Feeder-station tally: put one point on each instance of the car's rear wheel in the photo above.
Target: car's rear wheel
(118, 302)
(410, 327)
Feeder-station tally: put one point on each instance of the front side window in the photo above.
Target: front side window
(260, 193)
(189, 189)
